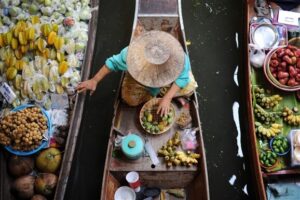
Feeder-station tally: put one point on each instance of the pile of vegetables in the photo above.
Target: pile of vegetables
(175, 158)
(285, 65)
(268, 158)
(154, 123)
(280, 145)
(23, 130)
(39, 186)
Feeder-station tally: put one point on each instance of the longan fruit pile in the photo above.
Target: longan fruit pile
(23, 130)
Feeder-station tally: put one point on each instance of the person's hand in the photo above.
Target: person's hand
(90, 84)
(164, 106)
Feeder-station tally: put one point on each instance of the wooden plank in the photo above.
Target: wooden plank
(112, 186)
(161, 179)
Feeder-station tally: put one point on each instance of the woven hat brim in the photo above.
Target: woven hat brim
(152, 75)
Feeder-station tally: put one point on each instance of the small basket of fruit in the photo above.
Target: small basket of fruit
(282, 68)
(280, 145)
(268, 159)
(152, 122)
(25, 131)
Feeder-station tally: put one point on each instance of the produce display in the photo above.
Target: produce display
(268, 158)
(174, 157)
(264, 100)
(290, 117)
(156, 124)
(42, 43)
(43, 182)
(42, 48)
(152, 122)
(280, 145)
(268, 131)
(23, 130)
(265, 116)
(276, 108)
(285, 66)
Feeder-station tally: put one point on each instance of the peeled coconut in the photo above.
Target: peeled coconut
(49, 160)
(23, 187)
(45, 183)
(20, 166)
(38, 197)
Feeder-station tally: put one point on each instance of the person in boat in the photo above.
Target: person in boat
(156, 65)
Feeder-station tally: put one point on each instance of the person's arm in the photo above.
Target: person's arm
(114, 63)
(92, 83)
(164, 104)
(182, 80)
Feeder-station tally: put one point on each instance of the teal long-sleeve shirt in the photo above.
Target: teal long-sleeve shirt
(118, 63)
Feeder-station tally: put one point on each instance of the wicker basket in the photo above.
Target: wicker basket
(152, 106)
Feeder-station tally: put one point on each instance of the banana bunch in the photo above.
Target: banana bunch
(290, 117)
(270, 131)
(266, 101)
(173, 157)
(265, 116)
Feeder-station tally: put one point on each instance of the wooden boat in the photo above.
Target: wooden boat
(75, 121)
(261, 177)
(155, 15)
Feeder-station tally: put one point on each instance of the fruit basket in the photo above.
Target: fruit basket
(280, 145)
(152, 122)
(281, 68)
(268, 159)
(39, 139)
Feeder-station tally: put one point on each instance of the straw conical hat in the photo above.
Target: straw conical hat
(155, 59)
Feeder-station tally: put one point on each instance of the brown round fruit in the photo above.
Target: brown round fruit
(23, 187)
(19, 166)
(45, 183)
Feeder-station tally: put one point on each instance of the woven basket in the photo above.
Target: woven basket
(152, 106)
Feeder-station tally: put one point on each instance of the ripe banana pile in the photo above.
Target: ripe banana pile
(270, 131)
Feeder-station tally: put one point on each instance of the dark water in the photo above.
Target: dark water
(212, 27)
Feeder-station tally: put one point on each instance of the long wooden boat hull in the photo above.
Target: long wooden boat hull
(260, 178)
(75, 122)
(152, 15)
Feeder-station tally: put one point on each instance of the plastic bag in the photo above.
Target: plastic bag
(189, 140)
(257, 56)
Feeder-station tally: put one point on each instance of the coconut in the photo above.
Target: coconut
(19, 166)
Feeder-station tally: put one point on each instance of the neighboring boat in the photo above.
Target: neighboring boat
(75, 121)
(254, 78)
(167, 16)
